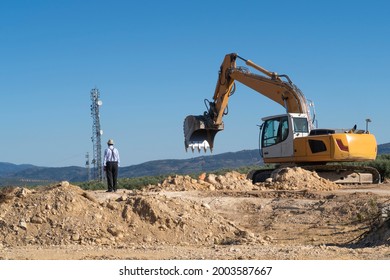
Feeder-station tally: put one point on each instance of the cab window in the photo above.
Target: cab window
(300, 125)
(275, 131)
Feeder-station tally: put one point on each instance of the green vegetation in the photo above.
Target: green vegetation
(125, 183)
(382, 164)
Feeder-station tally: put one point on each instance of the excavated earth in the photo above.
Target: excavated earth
(297, 215)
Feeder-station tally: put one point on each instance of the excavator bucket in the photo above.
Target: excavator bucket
(199, 134)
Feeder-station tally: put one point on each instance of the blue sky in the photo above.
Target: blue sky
(154, 62)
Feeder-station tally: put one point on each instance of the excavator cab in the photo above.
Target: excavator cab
(278, 133)
(275, 130)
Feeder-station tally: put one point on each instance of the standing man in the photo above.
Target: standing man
(111, 163)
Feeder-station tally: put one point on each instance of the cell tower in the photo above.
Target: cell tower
(96, 135)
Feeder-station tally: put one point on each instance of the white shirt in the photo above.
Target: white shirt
(111, 154)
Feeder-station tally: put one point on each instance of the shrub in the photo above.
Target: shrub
(382, 164)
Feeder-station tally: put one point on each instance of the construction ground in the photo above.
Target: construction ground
(297, 216)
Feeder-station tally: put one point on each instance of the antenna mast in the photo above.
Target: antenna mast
(96, 135)
(87, 167)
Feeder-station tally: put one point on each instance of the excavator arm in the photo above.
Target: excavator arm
(199, 131)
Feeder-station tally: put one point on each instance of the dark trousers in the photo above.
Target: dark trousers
(112, 175)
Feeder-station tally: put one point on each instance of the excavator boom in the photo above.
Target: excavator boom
(199, 131)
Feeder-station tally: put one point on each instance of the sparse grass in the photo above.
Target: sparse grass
(369, 211)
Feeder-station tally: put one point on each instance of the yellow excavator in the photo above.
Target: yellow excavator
(289, 139)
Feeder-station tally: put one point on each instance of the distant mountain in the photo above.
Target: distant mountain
(70, 173)
(26, 174)
(12, 174)
(10, 168)
(384, 149)
(193, 165)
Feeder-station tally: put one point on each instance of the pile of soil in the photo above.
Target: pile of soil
(65, 214)
(297, 178)
(294, 178)
(211, 182)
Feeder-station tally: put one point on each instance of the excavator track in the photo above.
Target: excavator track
(347, 174)
(340, 174)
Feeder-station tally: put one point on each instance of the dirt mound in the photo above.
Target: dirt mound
(284, 179)
(65, 214)
(297, 178)
(230, 181)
